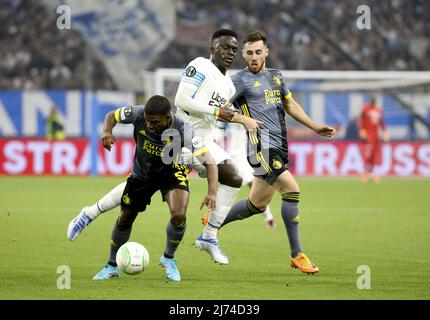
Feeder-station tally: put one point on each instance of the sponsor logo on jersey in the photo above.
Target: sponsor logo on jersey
(272, 96)
(217, 100)
(152, 149)
(257, 84)
(143, 132)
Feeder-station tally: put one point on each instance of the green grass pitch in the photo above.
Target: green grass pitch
(344, 224)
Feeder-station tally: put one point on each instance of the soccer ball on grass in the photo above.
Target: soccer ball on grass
(132, 258)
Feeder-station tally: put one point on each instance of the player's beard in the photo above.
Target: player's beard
(255, 68)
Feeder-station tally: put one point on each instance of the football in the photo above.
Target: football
(132, 258)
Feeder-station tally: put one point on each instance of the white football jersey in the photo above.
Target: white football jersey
(211, 88)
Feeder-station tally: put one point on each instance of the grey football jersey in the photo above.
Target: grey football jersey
(157, 153)
(261, 96)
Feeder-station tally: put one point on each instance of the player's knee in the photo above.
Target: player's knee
(228, 175)
(292, 187)
(124, 222)
(126, 219)
(295, 188)
(260, 205)
(234, 181)
(178, 217)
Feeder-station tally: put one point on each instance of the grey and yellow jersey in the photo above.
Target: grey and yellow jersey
(158, 153)
(261, 96)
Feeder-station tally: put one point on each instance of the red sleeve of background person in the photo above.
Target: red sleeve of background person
(370, 120)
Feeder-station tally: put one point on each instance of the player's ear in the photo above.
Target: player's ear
(267, 52)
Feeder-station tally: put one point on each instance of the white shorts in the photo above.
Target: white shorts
(244, 170)
(237, 149)
(218, 153)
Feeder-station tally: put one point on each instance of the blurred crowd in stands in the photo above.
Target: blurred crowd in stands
(33, 54)
(398, 38)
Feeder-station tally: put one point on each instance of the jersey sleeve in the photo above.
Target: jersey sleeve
(193, 78)
(129, 114)
(194, 75)
(239, 86)
(286, 93)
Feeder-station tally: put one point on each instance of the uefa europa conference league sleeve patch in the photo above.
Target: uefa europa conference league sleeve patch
(190, 71)
(125, 112)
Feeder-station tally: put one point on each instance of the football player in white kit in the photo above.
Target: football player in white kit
(204, 90)
(203, 93)
(237, 141)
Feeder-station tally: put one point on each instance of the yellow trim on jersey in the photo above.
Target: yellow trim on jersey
(200, 151)
(245, 110)
(117, 115)
(263, 162)
(288, 95)
(253, 137)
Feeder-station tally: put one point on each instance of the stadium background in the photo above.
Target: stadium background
(121, 52)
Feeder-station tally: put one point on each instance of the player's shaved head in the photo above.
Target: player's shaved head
(224, 32)
(158, 105)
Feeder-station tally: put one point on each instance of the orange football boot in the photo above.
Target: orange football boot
(302, 262)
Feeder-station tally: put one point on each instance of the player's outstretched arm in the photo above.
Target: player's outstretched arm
(295, 110)
(228, 113)
(250, 124)
(212, 177)
(107, 137)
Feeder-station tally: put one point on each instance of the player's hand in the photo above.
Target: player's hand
(209, 201)
(108, 140)
(227, 113)
(326, 131)
(251, 124)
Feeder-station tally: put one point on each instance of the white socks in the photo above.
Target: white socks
(267, 215)
(224, 201)
(108, 202)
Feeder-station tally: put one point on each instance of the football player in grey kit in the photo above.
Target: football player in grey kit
(262, 94)
(159, 136)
